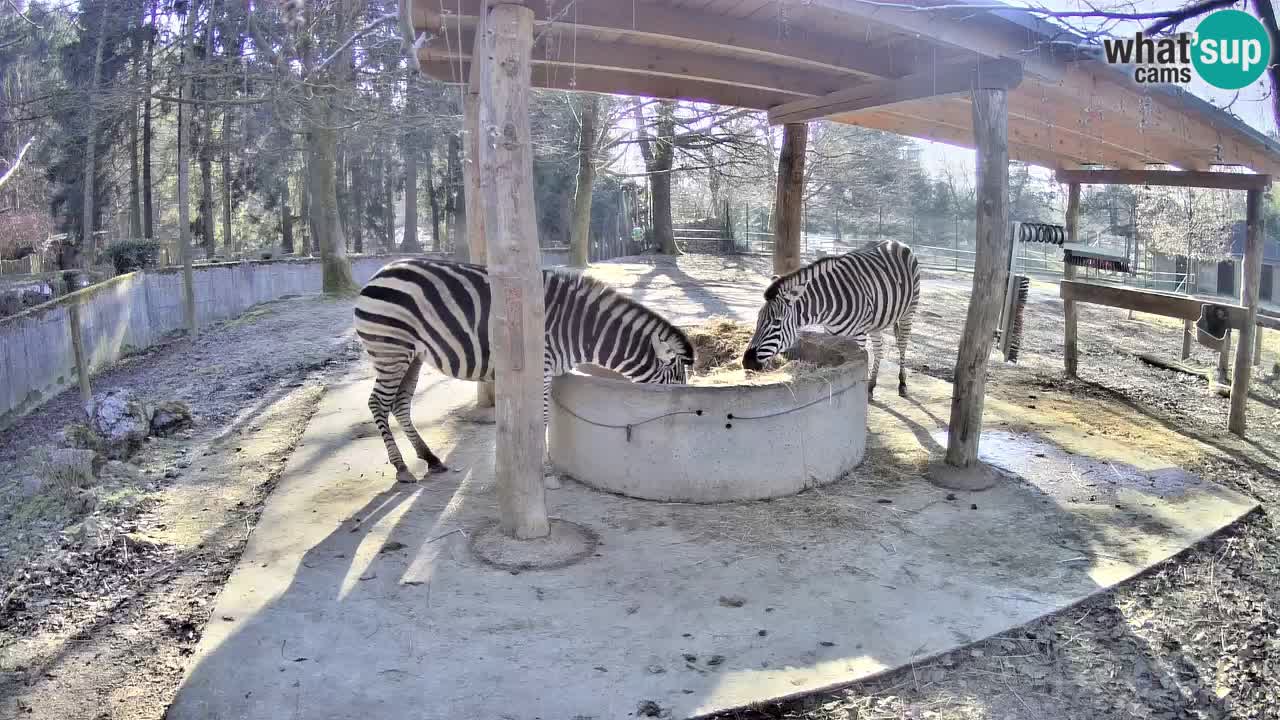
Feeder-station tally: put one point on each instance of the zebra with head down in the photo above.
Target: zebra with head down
(437, 311)
(857, 295)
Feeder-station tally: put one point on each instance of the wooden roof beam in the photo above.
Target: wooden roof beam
(1002, 74)
(557, 77)
(625, 57)
(694, 29)
(1173, 178)
(888, 121)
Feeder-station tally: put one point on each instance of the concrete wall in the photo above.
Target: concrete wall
(135, 311)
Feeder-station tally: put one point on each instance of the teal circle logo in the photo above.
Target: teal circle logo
(1231, 49)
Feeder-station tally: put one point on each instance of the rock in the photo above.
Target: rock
(30, 485)
(122, 421)
(70, 469)
(88, 533)
(169, 417)
(80, 435)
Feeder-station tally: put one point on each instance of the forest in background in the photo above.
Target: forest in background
(303, 129)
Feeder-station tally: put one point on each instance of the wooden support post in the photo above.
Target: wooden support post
(1070, 354)
(516, 333)
(82, 361)
(1188, 329)
(1257, 347)
(473, 194)
(1249, 298)
(789, 199)
(991, 136)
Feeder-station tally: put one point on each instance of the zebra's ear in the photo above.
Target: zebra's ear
(774, 278)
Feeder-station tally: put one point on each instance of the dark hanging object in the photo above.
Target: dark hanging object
(1212, 327)
(1013, 341)
(1041, 233)
(1096, 260)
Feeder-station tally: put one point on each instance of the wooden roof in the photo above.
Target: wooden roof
(1068, 111)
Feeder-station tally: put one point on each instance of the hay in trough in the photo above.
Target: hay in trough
(719, 344)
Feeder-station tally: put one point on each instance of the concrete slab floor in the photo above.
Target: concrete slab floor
(359, 598)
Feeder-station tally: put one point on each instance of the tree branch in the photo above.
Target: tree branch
(13, 170)
(373, 25)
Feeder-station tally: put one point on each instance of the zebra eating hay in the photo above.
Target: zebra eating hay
(437, 311)
(857, 295)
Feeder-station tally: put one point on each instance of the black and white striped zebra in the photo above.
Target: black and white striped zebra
(437, 311)
(857, 294)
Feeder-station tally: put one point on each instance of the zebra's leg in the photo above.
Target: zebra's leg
(403, 409)
(391, 372)
(877, 347)
(549, 478)
(902, 333)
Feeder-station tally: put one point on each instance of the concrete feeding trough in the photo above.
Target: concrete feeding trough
(708, 444)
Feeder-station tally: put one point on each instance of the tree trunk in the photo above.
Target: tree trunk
(227, 240)
(663, 228)
(326, 226)
(206, 190)
(388, 207)
(409, 151)
(89, 202)
(990, 275)
(788, 202)
(286, 218)
(357, 206)
(184, 184)
(135, 196)
(428, 165)
(148, 212)
(455, 202)
(304, 190)
(580, 236)
(517, 318)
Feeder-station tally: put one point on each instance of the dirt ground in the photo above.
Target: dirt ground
(98, 613)
(102, 629)
(1195, 638)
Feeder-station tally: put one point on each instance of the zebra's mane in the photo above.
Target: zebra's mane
(586, 283)
(816, 267)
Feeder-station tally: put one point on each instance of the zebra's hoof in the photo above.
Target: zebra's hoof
(437, 468)
(404, 476)
(902, 391)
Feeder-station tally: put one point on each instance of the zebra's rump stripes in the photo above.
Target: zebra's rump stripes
(437, 311)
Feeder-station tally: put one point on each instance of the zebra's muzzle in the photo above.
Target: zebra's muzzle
(750, 361)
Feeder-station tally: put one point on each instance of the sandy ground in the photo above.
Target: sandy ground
(103, 631)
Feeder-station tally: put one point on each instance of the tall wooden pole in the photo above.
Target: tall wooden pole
(789, 199)
(1070, 355)
(990, 273)
(1249, 298)
(473, 196)
(515, 268)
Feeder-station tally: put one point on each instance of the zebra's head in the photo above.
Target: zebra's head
(673, 355)
(779, 321)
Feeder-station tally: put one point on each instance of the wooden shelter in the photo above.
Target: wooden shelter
(1000, 81)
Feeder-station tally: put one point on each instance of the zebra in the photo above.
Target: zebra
(857, 294)
(437, 311)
